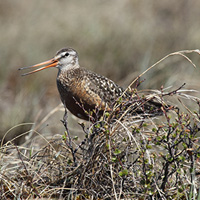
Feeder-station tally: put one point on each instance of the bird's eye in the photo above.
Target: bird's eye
(67, 54)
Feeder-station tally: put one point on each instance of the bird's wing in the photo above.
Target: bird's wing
(105, 90)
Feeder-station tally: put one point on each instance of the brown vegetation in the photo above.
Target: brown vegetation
(139, 159)
(126, 158)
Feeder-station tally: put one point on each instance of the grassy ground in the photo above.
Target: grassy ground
(125, 157)
(133, 158)
(119, 39)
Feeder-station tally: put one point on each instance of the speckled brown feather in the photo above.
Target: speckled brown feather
(82, 90)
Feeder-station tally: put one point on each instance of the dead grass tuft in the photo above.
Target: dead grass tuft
(124, 158)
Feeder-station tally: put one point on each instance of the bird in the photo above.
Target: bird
(87, 94)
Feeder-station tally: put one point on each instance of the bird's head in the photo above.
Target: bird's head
(64, 59)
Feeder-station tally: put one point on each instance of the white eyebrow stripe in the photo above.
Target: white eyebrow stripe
(62, 54)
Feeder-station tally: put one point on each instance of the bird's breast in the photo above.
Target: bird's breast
(76, 95)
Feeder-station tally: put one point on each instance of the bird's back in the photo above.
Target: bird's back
(83, 91)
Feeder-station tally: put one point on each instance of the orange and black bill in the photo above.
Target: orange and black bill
(48, 63)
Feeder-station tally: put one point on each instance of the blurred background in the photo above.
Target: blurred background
(118, 39)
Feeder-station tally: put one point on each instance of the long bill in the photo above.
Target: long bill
(48, 63)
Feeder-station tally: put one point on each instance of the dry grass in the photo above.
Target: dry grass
(119, 39)
(133, 158)
(128, 158)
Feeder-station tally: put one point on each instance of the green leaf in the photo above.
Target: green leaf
(184, 145)
(148, 146)
(137, 130)
(107, 131)
(124, 172)
(117, 151)
(158, 138)
(181, 158)
(97, 125)
(170, 159)
(154, 129)
(107, 114)
(114, 159)
(75, 137)
(64, 137)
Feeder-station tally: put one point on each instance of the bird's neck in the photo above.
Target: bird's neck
(69, 67)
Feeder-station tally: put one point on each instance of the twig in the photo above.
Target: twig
(69, 142)
(174, 91)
